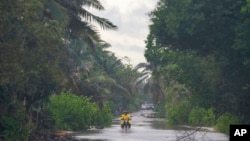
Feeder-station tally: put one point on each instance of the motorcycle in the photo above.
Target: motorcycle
(126, 125)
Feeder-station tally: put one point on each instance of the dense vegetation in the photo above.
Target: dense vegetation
(199, 54)
(56, 74)
(51, 50)
(70, 112)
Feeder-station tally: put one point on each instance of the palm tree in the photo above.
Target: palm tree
(80, 33)
(44, 46)
(153, 82)
(110, 67)
(81, 39)
(73, 14)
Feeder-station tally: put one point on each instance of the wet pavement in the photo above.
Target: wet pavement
(149, 129)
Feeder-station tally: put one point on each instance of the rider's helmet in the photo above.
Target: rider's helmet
(125, 111)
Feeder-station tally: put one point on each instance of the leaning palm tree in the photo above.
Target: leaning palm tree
(78, 21)
(66, 10)
(81, 37)
(152, 82)
(104, 84)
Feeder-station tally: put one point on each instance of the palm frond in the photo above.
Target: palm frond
(141, 79)
(145, 66)
(86, 32)
(75, 8)
(100, 78)
(145, 72)
(93, 3)
(123, 90)
(102, 22)
(103, 45)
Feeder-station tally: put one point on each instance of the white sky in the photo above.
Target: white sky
(132, 20)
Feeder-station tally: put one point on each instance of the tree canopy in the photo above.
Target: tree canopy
(203, 45)
(50, 47)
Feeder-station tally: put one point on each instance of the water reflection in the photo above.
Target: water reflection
(160, 124)
(149, 129)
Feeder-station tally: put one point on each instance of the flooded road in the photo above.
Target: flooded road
(148, 129)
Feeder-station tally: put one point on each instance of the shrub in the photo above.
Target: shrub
(16, 124)
(201, 117)
(72, 112)
(102, 117)
(178, 114)
(224, 121)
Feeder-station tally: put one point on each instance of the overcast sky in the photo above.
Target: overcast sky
(132, 20)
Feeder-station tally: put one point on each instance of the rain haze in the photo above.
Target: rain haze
(132, 20)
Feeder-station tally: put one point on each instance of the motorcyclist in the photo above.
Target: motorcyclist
(125, 116)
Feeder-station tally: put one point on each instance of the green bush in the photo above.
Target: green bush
(72, 112)
(102, 117)
(16, 124)
(178, 114)
(224, 121)
(161, 109)
(201, 117)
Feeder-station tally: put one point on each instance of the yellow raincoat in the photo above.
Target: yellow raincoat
(125, 117)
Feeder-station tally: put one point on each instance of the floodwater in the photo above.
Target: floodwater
(149, 129)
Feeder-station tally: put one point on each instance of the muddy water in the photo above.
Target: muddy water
(149, 129)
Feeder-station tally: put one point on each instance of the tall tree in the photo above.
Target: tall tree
(216, 31)
(43, 45)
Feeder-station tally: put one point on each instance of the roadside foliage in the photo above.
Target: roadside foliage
(200, 53)
(50, 47)
(68, 111)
